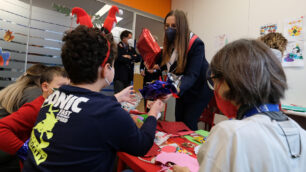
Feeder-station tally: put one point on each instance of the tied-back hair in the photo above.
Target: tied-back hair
(252, 71)
(11, 95)
(275, 41)
(52, 71)
(180, 43)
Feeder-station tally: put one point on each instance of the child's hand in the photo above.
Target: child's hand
(126, 95)
(156, 108)
(177, 168)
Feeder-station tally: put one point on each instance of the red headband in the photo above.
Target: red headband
(107, 54)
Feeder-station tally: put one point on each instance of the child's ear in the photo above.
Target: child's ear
(107, 66)
(44, 86)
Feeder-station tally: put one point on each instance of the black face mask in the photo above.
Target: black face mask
(170, 34)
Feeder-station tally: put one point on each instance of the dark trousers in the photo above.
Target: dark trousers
(120, 85)
(190, 112)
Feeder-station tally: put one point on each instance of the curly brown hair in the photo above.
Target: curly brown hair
(275, 41)
(83, 52)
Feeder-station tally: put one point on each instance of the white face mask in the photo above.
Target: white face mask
(106, 80)
(131, 42)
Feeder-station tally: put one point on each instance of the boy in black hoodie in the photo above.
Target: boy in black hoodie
(78, 128)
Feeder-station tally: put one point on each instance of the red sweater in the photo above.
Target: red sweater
(16, 128)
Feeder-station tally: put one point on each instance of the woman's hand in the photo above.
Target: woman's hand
(166, 97)
(126, 95)
(142, 72)
(127, 56)
(156, 66)
(177, 168)
(150, 70)
(156, 108)
(147, 66)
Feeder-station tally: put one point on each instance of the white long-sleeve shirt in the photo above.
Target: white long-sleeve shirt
(256, 144)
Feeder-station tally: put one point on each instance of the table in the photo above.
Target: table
(138, 165)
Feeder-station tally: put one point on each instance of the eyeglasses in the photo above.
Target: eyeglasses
(210, 82)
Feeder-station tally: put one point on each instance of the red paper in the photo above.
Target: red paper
(168, 149)
(153, 151)
(172, 127)
(148, 47)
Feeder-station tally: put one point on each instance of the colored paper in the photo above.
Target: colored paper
(172, 127)
(179, 159)
(153, 151)
(199, 132)
(269, 28)
(196, 149)
(191, 139)
(161, 137)
(293, 29)
(293, 56)
(168, 149)
(294, 108)
(202, 133)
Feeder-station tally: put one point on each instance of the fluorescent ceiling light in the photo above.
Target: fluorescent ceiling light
(103, 10)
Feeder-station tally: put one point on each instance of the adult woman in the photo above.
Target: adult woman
(187, 58)
(25, 89)
(248, 84)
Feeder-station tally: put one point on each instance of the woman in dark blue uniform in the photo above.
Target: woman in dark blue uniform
(183, 54)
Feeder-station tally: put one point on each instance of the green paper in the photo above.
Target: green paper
(199, 132)
(294, 108)
(202, 133)
(145, 116)
(191, 139)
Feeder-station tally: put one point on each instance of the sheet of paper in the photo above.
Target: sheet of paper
(180, 159)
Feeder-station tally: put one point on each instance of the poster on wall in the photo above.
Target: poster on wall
(293, 29)
(269, 28)
(293, 56)
(220, 41)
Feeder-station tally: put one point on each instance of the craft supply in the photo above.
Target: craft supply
(153, 151)
(199, 139)
(158, 89)
(161, 137)
(196, 149)
(181, 150)
(188, 145)
(130, 106)
(168, 149)
(152, 161)
(172, 127)
(202, 132)
(179, 159)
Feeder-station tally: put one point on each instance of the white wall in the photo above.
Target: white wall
(242, 19)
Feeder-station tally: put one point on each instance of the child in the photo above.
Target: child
(78, 128)
(16, 128)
